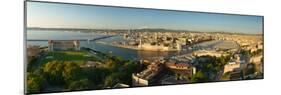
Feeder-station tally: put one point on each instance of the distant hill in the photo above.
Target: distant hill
(133, 30)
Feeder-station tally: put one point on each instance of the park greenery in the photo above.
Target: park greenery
(208, 68)
(63, 72)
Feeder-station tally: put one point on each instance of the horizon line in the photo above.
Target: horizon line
(178, 30)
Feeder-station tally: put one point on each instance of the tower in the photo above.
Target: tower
(140, 43)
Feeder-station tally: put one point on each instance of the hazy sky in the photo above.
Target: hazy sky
(54, 15)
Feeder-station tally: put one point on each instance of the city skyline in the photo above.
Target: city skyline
(52, 15)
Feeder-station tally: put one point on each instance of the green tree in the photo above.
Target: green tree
(114, 78)
(96, 75)
(198, 77)
(221, 61)
(225, 76)
(31, 64)
(79, 85)
(245, 52)
(71, 72)
(53, 71)
(35, 83)
(110, 64)
(109, 81)
(177, 76)
(130, 67)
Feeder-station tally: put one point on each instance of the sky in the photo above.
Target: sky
(56, 15)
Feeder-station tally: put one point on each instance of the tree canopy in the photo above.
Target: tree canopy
(79, 85)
